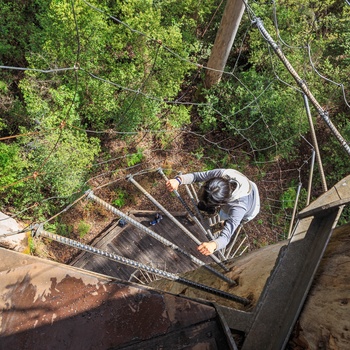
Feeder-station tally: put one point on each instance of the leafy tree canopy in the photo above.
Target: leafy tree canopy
(116, 65)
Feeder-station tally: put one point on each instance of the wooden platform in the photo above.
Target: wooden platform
(134, 244)
(46, 305)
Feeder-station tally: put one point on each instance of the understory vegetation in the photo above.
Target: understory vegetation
(89, 90)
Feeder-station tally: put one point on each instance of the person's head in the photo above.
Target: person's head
(215, 192)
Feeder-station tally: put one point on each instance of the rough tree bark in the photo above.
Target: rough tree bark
(224, 40)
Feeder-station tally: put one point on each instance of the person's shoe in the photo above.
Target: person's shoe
(156, 220)
(122, 223)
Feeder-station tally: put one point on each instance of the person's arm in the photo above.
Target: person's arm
(236, 216)
(201, 176)
(186, 179)
(237, 213)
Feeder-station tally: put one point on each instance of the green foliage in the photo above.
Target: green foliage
(178, 115)
(17, 23)
(267, 112)
(2, 124)
(135, 64)
(273, 118)
(3, 87)
(288, 198)
(135, 158)
(199, 153)
(345, 216)
(60, 228)
(121, 67)
(17, 20)
(64, 230)
(335, 159)
(121, 196)
(31, 248)
(189, 15)
(31, 244)
(67, 161)
(83, 228)
(65, 152)
(175, 117)
(12, 169)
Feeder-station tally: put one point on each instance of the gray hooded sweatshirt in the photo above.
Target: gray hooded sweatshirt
(244, 204)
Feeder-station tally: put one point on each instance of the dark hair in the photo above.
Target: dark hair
(211, 210)
(217, 190)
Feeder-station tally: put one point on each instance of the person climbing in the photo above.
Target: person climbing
(228, 190)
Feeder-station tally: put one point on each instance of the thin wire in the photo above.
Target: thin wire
(66, 208)
(32, 176)
(54, 70)
(275, 21)
(278, 77)
(327, 79)
(20, 212)
(19, 135)
(241, 48)
(212, 18)
(155, 40)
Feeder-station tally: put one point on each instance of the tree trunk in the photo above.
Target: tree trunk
(224, 40)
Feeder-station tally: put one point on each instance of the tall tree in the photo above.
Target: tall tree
(224, 40)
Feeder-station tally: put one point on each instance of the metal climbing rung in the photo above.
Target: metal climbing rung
(230, 247)
(194, 202)
(194, 193)
(194, 199)
(199, 214)
(159, 238)
(188, 209)
(214, 220)
(38, 231)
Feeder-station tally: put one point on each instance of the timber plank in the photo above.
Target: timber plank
(132, 243)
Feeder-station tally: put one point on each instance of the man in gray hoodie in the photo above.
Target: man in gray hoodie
(231, 191)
